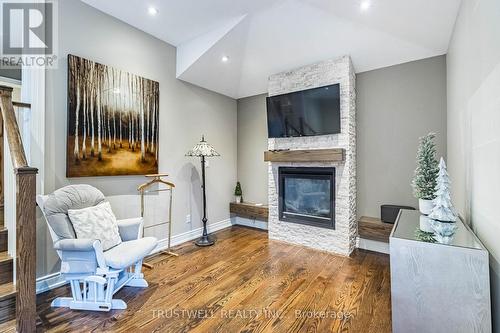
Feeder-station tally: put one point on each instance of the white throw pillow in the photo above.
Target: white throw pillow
(97, 222)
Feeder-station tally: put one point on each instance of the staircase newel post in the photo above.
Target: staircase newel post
(25, 217)
(26, 249)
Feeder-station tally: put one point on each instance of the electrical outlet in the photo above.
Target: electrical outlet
(207, 163)
(188, 218)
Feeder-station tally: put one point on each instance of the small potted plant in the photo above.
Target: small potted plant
(424, 181)
(238, 193)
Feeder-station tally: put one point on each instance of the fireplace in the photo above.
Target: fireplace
(307, 196)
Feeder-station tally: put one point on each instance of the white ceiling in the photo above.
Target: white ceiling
(263, 37)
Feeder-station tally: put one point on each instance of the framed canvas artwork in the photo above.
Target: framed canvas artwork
(112, 121)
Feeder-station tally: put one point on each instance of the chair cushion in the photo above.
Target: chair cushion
(128, 253)
(57, 204)
(97, 222)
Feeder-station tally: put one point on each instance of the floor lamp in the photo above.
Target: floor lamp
(203, 150)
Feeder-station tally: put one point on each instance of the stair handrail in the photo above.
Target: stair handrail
(12, 129)
(25, 216)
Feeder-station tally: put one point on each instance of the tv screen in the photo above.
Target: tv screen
(304, 113)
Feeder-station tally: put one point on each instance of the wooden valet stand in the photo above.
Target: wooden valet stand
(164, 186)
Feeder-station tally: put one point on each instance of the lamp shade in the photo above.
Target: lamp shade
(203, 148)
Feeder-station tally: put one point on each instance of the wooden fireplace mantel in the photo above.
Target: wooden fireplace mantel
(310, 155)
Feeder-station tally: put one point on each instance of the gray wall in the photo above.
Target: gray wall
(395, 106)
(186, 112)
(473, 127)
(252, 142)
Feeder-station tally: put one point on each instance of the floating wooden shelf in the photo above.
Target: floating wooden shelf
(374, 229)
(249, 210)
(310, 155)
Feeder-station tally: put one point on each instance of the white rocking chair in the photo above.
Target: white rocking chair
(94, 275)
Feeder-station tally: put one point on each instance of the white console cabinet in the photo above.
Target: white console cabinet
(438, 287)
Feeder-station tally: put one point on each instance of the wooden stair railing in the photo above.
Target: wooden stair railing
(25, 284)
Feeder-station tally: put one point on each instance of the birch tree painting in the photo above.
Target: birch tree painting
(112, 121)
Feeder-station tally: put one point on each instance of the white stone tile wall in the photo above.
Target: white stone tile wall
(342, 240)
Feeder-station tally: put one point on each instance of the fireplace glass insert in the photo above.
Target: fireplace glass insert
(307, 196)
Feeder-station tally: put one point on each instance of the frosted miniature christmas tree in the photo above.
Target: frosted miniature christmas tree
(443, 208)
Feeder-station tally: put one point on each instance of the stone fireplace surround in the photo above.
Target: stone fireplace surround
(342, 239)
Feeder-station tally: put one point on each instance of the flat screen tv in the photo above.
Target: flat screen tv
(304, 113)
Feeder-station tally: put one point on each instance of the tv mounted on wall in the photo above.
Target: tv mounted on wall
(304, 113)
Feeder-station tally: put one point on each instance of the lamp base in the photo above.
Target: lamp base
(205, 241)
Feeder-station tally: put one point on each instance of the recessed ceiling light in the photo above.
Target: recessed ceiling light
(225, 59)
(365, 4)
(152, 11)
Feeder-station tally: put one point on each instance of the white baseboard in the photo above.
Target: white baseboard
(191, 235)
(55, 280)
(372, 245)
(49, 282)
(250, 222)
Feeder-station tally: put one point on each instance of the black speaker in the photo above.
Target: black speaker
(389, 213)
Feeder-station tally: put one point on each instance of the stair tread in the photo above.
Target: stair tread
(8, 327)
(7, 290)
(4, 257)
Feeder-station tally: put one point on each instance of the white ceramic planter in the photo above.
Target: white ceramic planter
(238, 199)
(425, 206)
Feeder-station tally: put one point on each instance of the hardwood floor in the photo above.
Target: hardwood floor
(245, 283)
